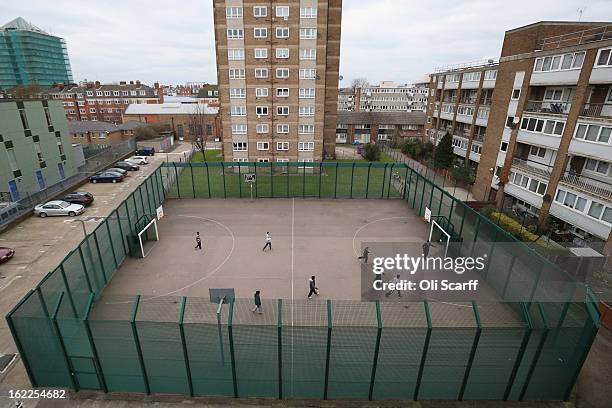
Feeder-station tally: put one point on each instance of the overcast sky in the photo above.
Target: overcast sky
(173, 41)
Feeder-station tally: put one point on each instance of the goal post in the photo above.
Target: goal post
(145, 234)
(438, 234)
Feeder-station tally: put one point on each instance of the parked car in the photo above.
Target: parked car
(6, 254)
(106, 177)
(138, 159)
(121, 171)
(126, 165)
(58, 207)
(146, 151)
(79, 197)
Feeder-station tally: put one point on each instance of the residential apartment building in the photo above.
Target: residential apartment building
(35, 147)
(548, 142)
(366, 127)
(459, 103)
(98, 134)
(93, 101)
(277, 67)
(29, 55)
(385, 97)
(346, 100)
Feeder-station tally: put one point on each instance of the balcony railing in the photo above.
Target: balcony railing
(524, 165)
(588, 185)
(595, 34)
(560, 108)
(597, 110)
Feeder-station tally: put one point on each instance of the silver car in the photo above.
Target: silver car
(58, 207)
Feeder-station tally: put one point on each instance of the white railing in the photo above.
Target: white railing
(576, 38)
(465, 65)
(587, 185)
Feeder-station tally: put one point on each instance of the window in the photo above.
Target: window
(306, 146)
(236, 73)
(604, 57)
(504, 147)
(282, 145)
(510, 121)
(282, 11)
(100, 93)
(24, 119)
(260, 32)
(261, 53)
(597, 166)
(471, 76)
(596, 209)
(282, 110)
(263, 145)
(308, 12)
(308, 53)
(260, 11)
(238, 110)
(537, 151)
(308, 33)
(235, 54)
(261, 110)
(559, 62)
(92, 110)
(490, 74)
(306, 129)
(48, 117)
(282, 32)
(90, 93)
(308, 73)
(262, 128)
(476, 148)
(240, 146)
(115, 93)
(553, 94)
(307, 92)
(282, 160)
(237, 93)
(12, 159)
(307, 111)
(282, 53)
(282, 72)
(233, 12)
(554, 127)
(240, 159)
(261, 92)
(239, 128)
(282, 128)
(235, 33)
(38, 152)
(265, 160)
(516, 93)
(261, 72)
(282, 92)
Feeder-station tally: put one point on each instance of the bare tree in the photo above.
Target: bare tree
(198, 129)
(359, 83)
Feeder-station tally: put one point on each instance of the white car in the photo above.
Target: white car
(138, 160)
(58, 207)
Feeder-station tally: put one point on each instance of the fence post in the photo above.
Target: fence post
(475, 235)
(538, 351)
(20, 349)
(143, 369)
(100, 257)
(328, 352)
(280, 349)
(178, 187)
(85, 269)
(376, 350)
(208, 178)
(192, 181)
(127, 212)
(256, 181)
(419, 379)
(537, 281)
(521, 352)
(470, 361)
(503, 296)
(352, 178)
(336, 181)
(73, 379)
(68, 290)
(239, 179)
(184, 343)
(223, 176)
(287, 179)
(390, 179)
(231, 342)
(303, 179)
(320, 177)
(94, 350)
(272, 179)
(110, 238)
(368, 180)
(382, 191)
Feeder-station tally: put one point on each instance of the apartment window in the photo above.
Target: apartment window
(262, 128)
(570, 200)
(82, 111)
(92, 110)
(282, 128)
(282, 11)
(24, 119)
(559, 62)
(235, 33)
(282, 145)
(90, 93)
(123, 93)
(48, 117)
(115, 93)
(263, 145)
(282, 92)
(12, 158)
(604, 57)
(282, 110)
(261, 110)
(100, 93)
(490, 74)
(307, 111)
(306, 146)
(532, 124)
(307, 92)
(476, 148)
(554, 127)
(107, 93)
(282, 160)
(282, 53)
(282, 32)
(236, 73)
(238, 110)
(240, 159)
(308, 33)
(239, 128)
(240, 146)
(235, 54)
(516, 93)
(537, 151)
(597, 166)
(261, 72)
(282, 73)
(471, 76)
(260, 32)
(306, 129)
(260, 11)
(233, 12)
(593, 133)
(261, 92)
(504, 147)
(38, 152)
(308, 12)
(264, 160)
(261, 53)
(133, 93)
(308, 53)
(237, 93)
(308, 73)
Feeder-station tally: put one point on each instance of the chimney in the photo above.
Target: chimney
(131, 82)
(97, 84)
(138, 83)
(122, 83)
(156, 85)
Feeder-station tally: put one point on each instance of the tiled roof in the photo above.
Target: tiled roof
(169, 109)
(381, 118)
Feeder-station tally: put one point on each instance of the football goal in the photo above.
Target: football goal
(437, 234)
(148, 233)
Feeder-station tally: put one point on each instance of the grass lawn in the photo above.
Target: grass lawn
(384, 158)
(211, 156)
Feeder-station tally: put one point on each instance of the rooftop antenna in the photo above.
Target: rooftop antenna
(580, 11)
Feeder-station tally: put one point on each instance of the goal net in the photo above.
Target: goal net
(148, 233)
(439, 236)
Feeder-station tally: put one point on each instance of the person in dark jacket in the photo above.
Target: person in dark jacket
(257, 299)
(364, 255)
(313, 287)
(198, 241)
(426, 246)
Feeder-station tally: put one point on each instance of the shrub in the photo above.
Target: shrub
(512, 226)
(464, 173)
(371, 152)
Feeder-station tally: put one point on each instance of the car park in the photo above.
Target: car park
(138, 159)
(126, 165)
(58, 207)
(106, 177)
(146, 151)
(79, 197)
(6, 254)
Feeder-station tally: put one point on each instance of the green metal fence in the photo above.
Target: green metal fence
(70, 335)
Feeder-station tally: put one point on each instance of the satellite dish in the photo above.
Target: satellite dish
(340, 78)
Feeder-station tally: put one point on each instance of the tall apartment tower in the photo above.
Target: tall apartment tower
(277, 67)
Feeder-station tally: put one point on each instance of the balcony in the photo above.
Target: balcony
(597, 110)
(524, 166)
(576, 38)
(555, 108)
(588, 185)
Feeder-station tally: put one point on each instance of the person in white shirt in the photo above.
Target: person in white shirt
(268, 242)
(395, 281)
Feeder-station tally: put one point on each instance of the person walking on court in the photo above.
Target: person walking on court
(198, 241)
(313, 287)
(268, 242)
(257, 299)
(426, 246)
(395, 281)
(364, 255)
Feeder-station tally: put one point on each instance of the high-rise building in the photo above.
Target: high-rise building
(277, 67)
(29, 55)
